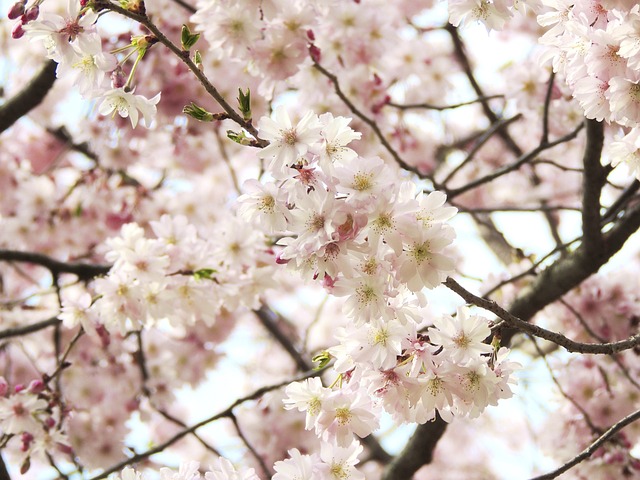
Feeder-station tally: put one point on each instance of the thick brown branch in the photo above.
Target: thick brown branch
(568, 272)
(592, 182)
(417, 452)
(29, 97)
(31, 328)
(84, 271)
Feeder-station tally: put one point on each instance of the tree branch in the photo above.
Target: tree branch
(224, 413)
(417, 452)
(31, 328)
(535, 330)
(524, 158)
(372, 124)
(587, 452)
(84, 271)
(186, 59)
(428, 106)
(592, 182)
(29, 97)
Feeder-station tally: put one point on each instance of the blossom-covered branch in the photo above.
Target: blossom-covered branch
(557, 338)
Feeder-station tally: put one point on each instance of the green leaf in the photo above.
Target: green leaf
(187, 38)
(322, 359)
(244, 102)
(197, 59)
(204, 273)
(198, 113)
(240, 138)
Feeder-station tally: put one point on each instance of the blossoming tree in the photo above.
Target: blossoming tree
(287, 186)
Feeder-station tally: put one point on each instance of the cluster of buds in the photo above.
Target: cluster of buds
(23, 15)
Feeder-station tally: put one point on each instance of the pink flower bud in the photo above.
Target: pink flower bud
(16, 10)
(26, 438)
(36, 386)
(118, 79)
(315, 53)
(4, 387)
(281, 261)
(328, 282)
(17, 31)
(31, 14)
(50, 422)
(66, 449)
(18, 388)
(311, 36)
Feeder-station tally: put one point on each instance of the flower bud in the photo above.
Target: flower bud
(18, 388)
(4, 387)
(17, 31)
(16, 10)
(118, 79)
(66, 449)
(26, 438)
(36, 386)
(31, 14)
(315, 53)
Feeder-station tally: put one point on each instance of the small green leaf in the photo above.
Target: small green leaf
(244, 102)
(197, 59)
(322, 359)
(198, 113)
(204, 273)
(240, 138)
(187, 38)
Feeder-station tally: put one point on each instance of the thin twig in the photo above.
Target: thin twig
(186, 59)
(428, 106)
(223, 414)
(535, 330)
(587, 452)
(584, 413)
(372, 124)
(523, 159)
(478, 145)
(254, 452)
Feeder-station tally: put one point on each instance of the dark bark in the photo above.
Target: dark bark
(29, 97)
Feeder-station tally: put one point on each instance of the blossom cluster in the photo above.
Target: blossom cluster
(353, 224)
(73, 42)
(32, 417)
(332, 463)
(596, 49)
(151, 276)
